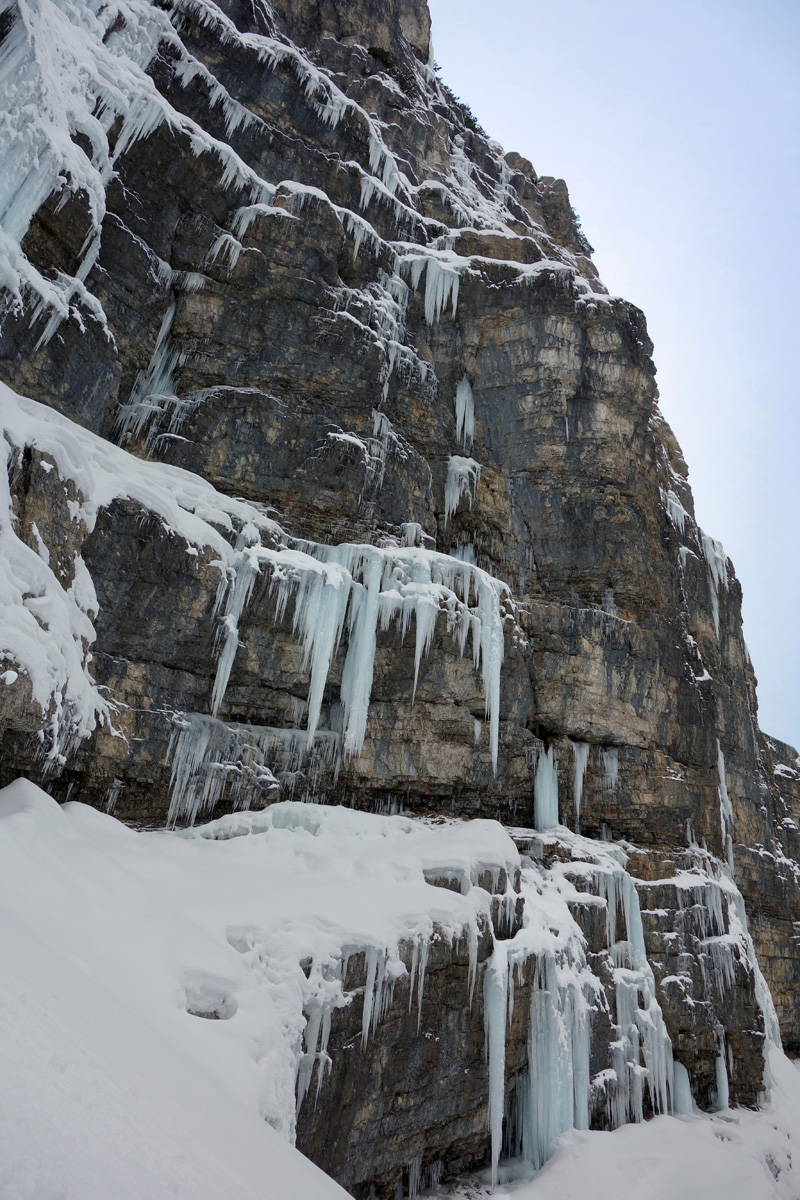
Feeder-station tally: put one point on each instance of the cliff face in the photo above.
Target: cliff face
(362, 370)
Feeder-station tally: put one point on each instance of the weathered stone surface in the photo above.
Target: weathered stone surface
(296, 366)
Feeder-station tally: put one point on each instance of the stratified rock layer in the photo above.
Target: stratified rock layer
(314, 269)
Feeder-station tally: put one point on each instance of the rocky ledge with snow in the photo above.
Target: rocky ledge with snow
(336, 477)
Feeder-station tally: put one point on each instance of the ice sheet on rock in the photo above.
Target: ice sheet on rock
(683, 1105)
(725, 807)
(675, 510)
(462, 480)
(717, 567)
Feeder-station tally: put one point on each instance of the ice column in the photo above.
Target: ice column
(558, 1057)
(611, 768)
(725, 808)
(545, 792)
(465, 413)
(495, 1000)
(580, 755)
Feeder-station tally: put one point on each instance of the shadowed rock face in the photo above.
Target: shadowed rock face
(300, 342)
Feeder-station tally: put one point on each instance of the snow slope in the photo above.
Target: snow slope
(111, 1088)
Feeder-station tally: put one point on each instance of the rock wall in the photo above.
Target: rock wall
(298, 269)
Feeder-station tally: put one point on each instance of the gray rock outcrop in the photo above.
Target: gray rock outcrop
(319, 287)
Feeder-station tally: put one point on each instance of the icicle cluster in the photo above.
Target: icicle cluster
(717, 564)
(462, 480)
(346, 592)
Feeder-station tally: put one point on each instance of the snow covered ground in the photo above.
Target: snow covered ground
(111, 941)
(109, 1087)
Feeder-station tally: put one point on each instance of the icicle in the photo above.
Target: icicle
(462, 480)
(545, 792)
(369, 995)
(465, 413)
(209, 756)
(472, 944)
(423, 962)
(412, 974)
(246, 572)
(723, 1091)
(441, 285)
(580, 754)
(360, 661)
(319, 617)
(682, 1105)
(363, 588)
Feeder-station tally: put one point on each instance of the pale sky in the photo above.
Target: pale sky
(677, 128)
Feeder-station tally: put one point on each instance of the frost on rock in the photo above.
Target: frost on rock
(153, 391)
(46, 629)
(462, 480)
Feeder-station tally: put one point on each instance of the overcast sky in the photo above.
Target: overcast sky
(676, 124)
